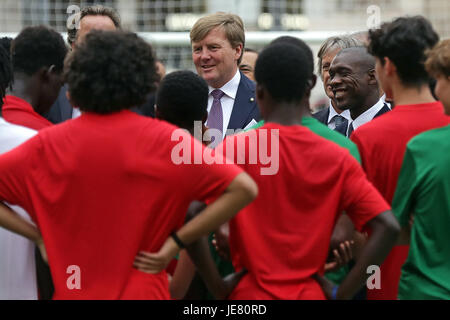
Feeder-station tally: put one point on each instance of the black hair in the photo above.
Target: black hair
(5, 73)
(284, 70)
(5, 42)
(110, 71)
(299, 44)
(37, 47)
(404, 41)
(182, 98)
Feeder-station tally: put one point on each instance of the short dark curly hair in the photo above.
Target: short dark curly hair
(182, 98)
(404, 41)
(110, 71)
(299, 44)
(37, 47)
(284, 70)
(5, 73)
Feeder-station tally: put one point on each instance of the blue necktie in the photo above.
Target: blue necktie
(215, 116)
(341, 124)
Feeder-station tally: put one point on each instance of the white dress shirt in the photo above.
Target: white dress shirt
(17, 264)
(331, 120)
(367, 115)
(227, 101)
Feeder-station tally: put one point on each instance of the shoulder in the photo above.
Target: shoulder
(430, 140)
(322, 115)
(246, 83)
(14, 134)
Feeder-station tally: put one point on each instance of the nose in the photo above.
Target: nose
(334, 81)
(204, 55)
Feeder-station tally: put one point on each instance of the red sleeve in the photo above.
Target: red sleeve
(362, 201)
(16, 168)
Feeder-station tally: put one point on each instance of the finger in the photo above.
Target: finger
(147, 254)
(330, 266)
(344, 253)
(337, 257)
(349, 250)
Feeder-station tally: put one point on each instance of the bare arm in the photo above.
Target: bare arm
(385, 230)
(13, 222)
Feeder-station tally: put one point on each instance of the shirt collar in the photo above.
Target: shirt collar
(231, 87)
(333, 113)
(368, 115)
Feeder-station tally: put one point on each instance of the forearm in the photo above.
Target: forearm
(201, 256)
(13, 222)
(384, 236)
(236, 197)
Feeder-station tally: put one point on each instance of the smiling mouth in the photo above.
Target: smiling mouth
(207, 67)
(339, 93)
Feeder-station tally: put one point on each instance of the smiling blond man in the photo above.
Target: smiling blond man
(217, 45)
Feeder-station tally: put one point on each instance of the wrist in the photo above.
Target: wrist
(334, 292)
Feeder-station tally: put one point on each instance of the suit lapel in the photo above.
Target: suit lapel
(382, 111)
(244, 103)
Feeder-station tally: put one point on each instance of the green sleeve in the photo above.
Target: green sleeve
(403, 203)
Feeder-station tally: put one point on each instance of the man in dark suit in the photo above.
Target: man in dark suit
(217, 46)
(355, 87)
(333, 117)
(89, 18)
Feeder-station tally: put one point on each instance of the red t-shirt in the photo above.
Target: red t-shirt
(103, 187)
(382, 144)
(282, 238)
(18, 111)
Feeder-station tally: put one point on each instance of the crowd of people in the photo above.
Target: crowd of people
(118, 181)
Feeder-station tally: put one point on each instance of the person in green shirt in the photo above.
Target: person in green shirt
(422, 203)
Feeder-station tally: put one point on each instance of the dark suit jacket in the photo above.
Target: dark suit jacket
(322, 115)
(245, 108)
(61, 110)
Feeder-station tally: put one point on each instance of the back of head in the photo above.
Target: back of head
(283, 70)
(438, 59)
(110, 71)
(5, 73)
(96, 10)
(334, 43)
(299, 44)
(37, 47)
(232, 25)
(404, 41)
(182, 98)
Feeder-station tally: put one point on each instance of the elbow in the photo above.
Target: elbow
(391, 226)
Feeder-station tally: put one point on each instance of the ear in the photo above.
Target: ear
(310, 85)
(260, 93)
(389, 66)
(372, 78)
(239, 51)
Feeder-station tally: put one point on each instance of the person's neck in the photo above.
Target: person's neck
(21, 88)
(218, 85)
(412, 95)
(333, 104)
(366, 105)
(287, 114)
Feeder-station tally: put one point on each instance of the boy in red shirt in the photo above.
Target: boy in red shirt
(399, 49)
(105, 186)
(283, 237)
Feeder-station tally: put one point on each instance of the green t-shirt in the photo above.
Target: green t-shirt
(423, 189)
(322, 130)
